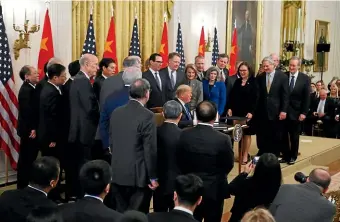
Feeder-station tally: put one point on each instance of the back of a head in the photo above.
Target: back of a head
(52, 61)
(139, 88)
(44, 214)
(320, 177)
(130, 74)
(55, 70)
(133, 216)
(267, 173)
(258, 215)
(44, 169)
(206, 111)
(131, 61)
(172, 110)
(94, 176)
(74, 68)
(189, 189)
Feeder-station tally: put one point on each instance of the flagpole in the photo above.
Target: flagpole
(135, 13)
(164, 15)
(92, 5)
(179, 21)
(235, 24)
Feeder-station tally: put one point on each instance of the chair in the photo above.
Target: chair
(334, 197)
(317, 128)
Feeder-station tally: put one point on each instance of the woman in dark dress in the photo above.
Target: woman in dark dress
(242, 103)
(258, 190)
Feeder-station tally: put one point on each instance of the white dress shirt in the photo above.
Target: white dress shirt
(57, 87)
(184, 210)
(87, 76)
(321, 106)
(174, 73)
(95, 197)
(38, 190)
(158, 77)
(295, 77)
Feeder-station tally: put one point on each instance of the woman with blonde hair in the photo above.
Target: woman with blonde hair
(258, 215)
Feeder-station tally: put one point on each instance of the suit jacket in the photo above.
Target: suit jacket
(157, 95)
(50, 115)
(169, 90)
(133, 140)
(301, 202)
(329, 109)
(299, 98)
(113, 101)
(84, 110)
(208, 154)
(201, 76)
(271, 104)
(174, 215)
(88, 209)
(217, 94)
(28, 110)
(166, 156)
(97, 85)
(65, 89)
(197, 92)
(110, 85)
(186, 119)
(15, 205)
(38, 89)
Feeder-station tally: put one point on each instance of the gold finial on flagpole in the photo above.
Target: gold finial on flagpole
(179, 21)
(235, 24)
(92, 5)
(164, 16)
(48, 4)
(112, 10)
(135, 13)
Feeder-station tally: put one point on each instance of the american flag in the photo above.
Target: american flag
(215, 49)
(9, 140)
(90, 41)
(179, 46)
(134, 44)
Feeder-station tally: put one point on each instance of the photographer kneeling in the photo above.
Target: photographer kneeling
(257, 190)
(304, 202)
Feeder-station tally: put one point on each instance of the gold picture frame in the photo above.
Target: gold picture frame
(231, 4)
(321, 36)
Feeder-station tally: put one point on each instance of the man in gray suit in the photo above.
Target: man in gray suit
(133, 141)
(304, 202)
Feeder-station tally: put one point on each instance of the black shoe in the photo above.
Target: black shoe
(291, 161)
(283, 160)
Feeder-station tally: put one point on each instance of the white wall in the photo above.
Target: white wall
(194, 14)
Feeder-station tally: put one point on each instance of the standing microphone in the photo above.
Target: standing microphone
(300, 177)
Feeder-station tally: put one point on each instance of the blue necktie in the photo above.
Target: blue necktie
(187, 111)
(291, 85)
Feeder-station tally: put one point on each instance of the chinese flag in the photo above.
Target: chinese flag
(110, 44)
(201, 46)
(164, 50)
(46, 46)
(233, 54)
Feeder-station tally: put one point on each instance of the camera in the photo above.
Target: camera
(300, 177)
(255, 160)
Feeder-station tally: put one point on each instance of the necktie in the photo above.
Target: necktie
(173, 81)
(268, 82)
(186, 107)
(291, 85)
(222, 76)
(157, 80)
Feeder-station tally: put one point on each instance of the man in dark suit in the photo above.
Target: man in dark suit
(27, 124)
(208, 154)
(172, 75)
(199, 64)
(271, 108)
(166, 158)
(183, 97)
(84, 116)
(51, 121)
(95, 177)
(304, 202)
(299, 99)
(187, 196)
(15, 205)
(134, 144)
(157, 81)
(107, 67)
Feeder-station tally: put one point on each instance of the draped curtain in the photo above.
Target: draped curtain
(291, 19)
(150, 15)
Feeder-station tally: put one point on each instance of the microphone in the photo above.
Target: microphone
(300, 177)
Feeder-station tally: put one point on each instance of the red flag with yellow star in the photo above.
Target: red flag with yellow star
(46, 46)
(110, 50)
(164, 49)
(201, 44)
(233, 54)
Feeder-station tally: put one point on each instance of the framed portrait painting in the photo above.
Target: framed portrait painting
(246, 16)
(321, 36)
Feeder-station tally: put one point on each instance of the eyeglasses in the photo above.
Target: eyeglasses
(159, 61)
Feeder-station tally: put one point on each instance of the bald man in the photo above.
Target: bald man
(84, 115)
(304, 202)
(276, 60)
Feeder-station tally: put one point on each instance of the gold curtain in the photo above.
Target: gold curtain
(291, 19)
(150, 15)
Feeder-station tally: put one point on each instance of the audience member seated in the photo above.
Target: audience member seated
(187, 196)
(167, 138)
(207, 153)
(257, 190)
(183, 97)
(258, 215)
(304, 202)
(324, 111)
(134, 216)
(95, 177)
(15, 205)
(45, 214)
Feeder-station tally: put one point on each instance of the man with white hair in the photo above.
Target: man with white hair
(276, 60)
(272, 107)
(84, 115)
